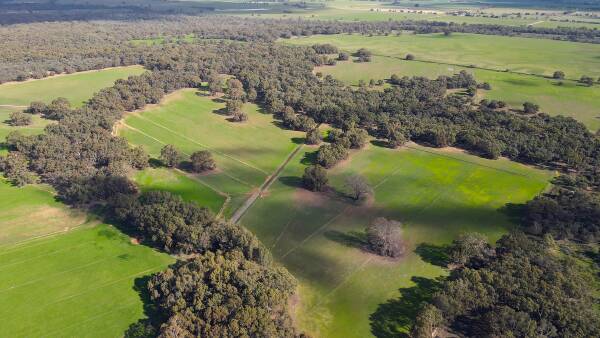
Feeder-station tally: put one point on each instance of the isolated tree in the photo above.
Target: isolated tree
(530, 108)
(409, 57)
(202, 161)
(469, 246)
(385, 237)
(233, 106)
(364, 55)
(139, 158)
(239, 116)
(235, 89)
(313, 137)
(586, 80)
(559, 75)
(18, 119)
(358, 187)
(315, 178)
(16, 169)
(170, 156)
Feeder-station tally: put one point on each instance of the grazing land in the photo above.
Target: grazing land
(76, 87)
(569, 98)
(245, 153)
(82, 283)
(178, 183)
(437, 194)
(32, 211)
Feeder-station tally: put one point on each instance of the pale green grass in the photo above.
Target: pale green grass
(78, 284)
(246, 153)
(76, 87)
(175, 182)
(570, 99)
(36, 127)
(437, 194)
(32, 211)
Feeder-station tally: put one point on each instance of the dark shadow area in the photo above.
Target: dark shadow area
(433, 254)
(221, 111)
(154, 317)
(291, 181)
(310, 158)
(380, 143)
(353, 239)
(279, 124)
(298, 140)
(514, 212)
(219, 100)
(395, 317)
(155, 163)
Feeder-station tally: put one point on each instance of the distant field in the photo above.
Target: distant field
(78, 284)
(570, 99)
(246, 153)
(32, 211)
(535, 56)
(76, 87)
(177, 183)
(437, 194)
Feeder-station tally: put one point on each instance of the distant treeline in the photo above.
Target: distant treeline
(40, 49)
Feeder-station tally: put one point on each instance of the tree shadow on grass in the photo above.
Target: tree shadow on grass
(352, 239)
(514, 212)
(291, 181)
(433, 254)
(310, 158)
(395, 317)
(153, 317)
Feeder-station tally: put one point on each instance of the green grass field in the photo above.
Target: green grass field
(246, 153)
(437, 194)
(32, 211)
(76, 87)
(178, 183)
(570, 99)
(77, 284)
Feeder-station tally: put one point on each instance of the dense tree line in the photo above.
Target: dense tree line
(524, 288)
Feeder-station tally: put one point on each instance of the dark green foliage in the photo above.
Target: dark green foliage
(343, 56)
(239, 116)
(528, 289)
(36, 108)
(315, 178)
(235, 89)
(233, 106)
(170, 156)
(559, 75)
(18, 119)
(139, 158)
(363, 55)
(217, 295)
(329, 155)
(586, 80)
(141, 329)
(202, 161)
(470, 246)
(409, 57)
(98, 189)
(357, 137)
(385, 237)
(58, 109)
(16, 169)
(325, 48)
(565, 215)
(313, 137)
(530, 108)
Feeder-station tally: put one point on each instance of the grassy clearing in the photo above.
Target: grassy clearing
(36, 127)
(535, 56)
(246, 153)
(570, 99)
(78, 284)
(32, 211)
(437, 194)
(178, 183)
(76, 87)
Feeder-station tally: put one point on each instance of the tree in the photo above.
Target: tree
(36, 107)
(530, 108)
(409, 57)
(313, 137)
(202, 161)
(364, 55)
(586, 80)
(170, 156)
(16, 169)
(357, 137)
(235, 89)
(358, 187)
(239, 116)
(343, 56)
(315, 178)
(215, 84)
(58, 109)
(139, 158)
(559, 75)
(469, 246)
(18, 119)
(233, 106)
(427, 322)
(385, 237)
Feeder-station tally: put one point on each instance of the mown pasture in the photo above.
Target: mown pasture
(83, 283)
(437, 194)
(569, 98)
(246, 153)
(76, 87)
